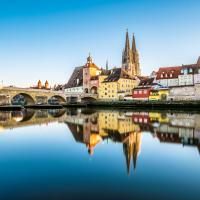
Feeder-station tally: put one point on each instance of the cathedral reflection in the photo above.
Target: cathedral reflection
(91, 128)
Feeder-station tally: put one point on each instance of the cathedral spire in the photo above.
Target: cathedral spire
(135, 157)
(198, 61)
(127, 44)
(127, 154)
(134, 44)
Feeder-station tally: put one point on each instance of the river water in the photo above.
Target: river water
(99, 154)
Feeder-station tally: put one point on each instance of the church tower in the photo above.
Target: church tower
(130, 58)
(136, 61)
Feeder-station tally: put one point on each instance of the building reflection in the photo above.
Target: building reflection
(92, 127)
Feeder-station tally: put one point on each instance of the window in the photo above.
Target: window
(145, 91)
(190, 70)
(140, 92)
(161, 76)
(171, 75)
(135, 92)
(166, 75)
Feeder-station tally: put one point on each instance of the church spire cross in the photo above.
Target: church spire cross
(89, 59)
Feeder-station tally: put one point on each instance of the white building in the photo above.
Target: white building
(184, 75)
(168, 76)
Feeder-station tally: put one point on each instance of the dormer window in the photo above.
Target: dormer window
(165, 75)
(190, 70)
(185, 71)
(161, 76)
(171, 75)
(182, 71)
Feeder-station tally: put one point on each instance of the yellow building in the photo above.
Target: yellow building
(159, 94)
(158, 117)
(115, 84)
(115, 122)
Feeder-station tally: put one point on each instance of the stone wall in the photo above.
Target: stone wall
(185, 93)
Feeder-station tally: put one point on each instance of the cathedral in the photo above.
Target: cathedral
(130, 58)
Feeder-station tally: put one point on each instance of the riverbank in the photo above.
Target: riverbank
(159, 105)
(150, 105)
(10, 108)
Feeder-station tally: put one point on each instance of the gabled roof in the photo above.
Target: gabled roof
(116, 74)
(76, 75)
(105, 72)
(146, 82)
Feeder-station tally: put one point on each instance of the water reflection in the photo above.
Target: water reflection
(92, 127)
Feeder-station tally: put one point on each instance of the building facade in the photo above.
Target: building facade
(142, 92)
(184, 75)
(116, 84)
(159, 94)
(168, 76)
(90, 77)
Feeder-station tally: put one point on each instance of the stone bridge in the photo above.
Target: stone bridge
(33, 96)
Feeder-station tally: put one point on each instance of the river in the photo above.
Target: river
(99, 154)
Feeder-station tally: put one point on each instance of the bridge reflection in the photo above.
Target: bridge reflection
(91, 127)
(15, 119)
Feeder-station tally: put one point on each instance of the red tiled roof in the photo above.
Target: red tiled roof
(172, 72)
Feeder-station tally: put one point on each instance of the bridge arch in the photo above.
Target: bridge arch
(22, 116)
(23, 98)
(57, 113)
(88, 98)
(57, 99)
(93, 90)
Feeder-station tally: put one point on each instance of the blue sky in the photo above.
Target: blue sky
(46, 39)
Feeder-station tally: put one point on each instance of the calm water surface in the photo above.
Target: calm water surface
(99, 154)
